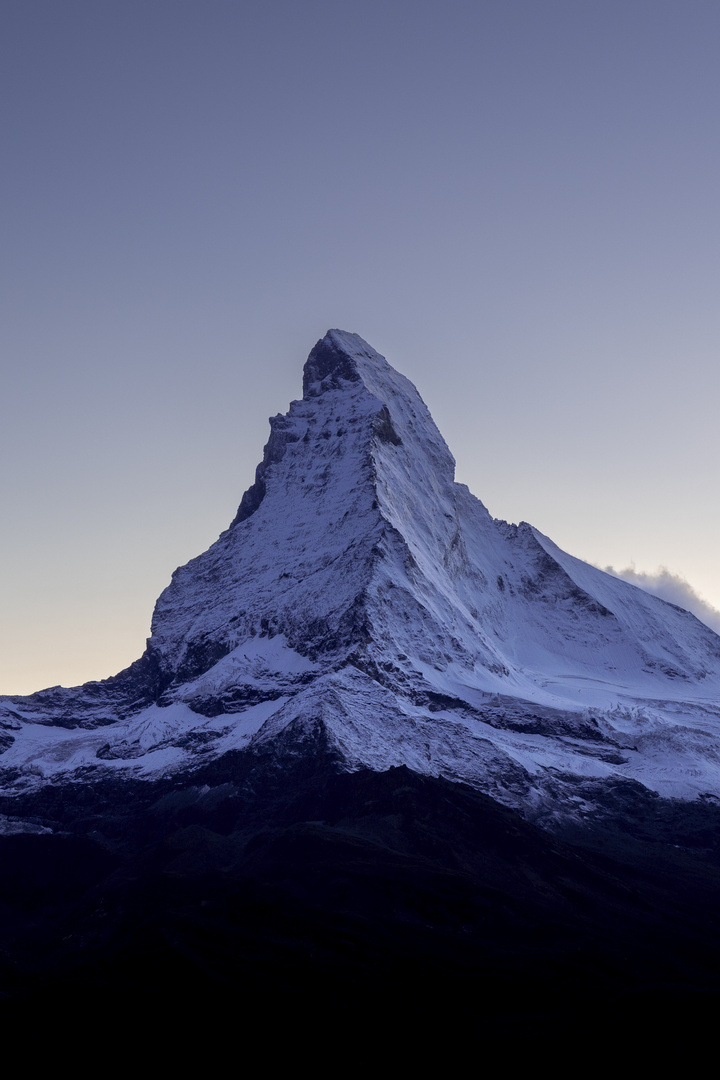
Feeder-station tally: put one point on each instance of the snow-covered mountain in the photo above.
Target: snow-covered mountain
(281, 809)
(361, 593)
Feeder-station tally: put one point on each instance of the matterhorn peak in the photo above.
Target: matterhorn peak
(292, 782)
(341, 357)
(359, 588)
(335, 358)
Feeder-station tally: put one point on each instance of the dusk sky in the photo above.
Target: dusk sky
(515, 201)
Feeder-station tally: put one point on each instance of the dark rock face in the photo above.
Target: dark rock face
(384, 429)
(281, 434)
(326, 366)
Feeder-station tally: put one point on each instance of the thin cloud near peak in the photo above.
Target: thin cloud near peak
(671, 587)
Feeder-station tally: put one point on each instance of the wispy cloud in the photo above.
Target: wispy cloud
(671, 587)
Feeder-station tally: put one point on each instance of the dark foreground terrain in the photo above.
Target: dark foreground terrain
(293, 889)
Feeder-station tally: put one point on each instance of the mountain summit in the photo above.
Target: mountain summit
(378, 743)
(361, 592)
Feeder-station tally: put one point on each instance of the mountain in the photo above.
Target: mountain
(368, 678)
(361, 590)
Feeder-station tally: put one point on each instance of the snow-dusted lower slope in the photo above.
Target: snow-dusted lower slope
(361, 590)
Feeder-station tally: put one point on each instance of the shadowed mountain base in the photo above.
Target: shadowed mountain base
(356, 896)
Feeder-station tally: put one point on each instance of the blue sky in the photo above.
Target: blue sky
(514, 200)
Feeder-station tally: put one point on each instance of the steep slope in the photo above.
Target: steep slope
(361, 590)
